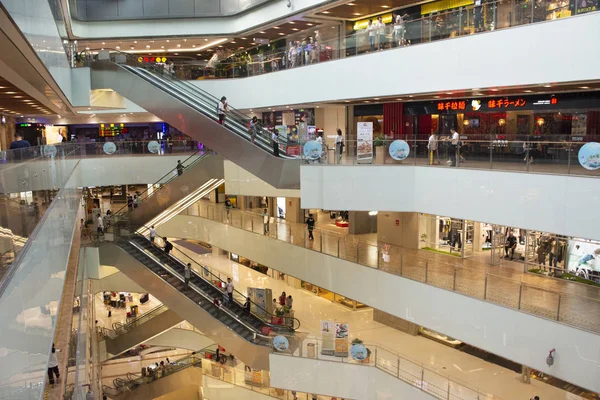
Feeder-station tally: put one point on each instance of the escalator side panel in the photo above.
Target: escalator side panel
(209, 168)
(142, 333)
(254, 355)
(278, 172)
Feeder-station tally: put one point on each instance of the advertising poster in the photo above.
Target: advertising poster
(302, 132)
(399, 150)
(589, 156)
(54, 134)
(327, 338)
(364, 137)
(313, 150)
(584, 259)
(341, 339)
(259, 297)
(311, 132)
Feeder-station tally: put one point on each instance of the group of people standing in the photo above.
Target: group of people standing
(299, 53)
(433, 146)
(377, 32)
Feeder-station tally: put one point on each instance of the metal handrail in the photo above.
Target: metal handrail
(134, 322)
(197, 290)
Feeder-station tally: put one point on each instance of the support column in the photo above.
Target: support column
(399, 229)
(218, 251)
(360, 222)
(293, 212)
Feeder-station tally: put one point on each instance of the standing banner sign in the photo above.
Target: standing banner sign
(341, 339)
(327, 338)
(364, 136)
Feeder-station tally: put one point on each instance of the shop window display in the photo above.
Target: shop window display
(447, 235)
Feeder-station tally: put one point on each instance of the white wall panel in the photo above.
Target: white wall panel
(512, 334)
(553, 203)
(506, 57)
(215, 389)
(349, 381)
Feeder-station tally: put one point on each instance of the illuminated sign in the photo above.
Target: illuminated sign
(451, 105)
(505, 103)
(546, 102)
(149, 59)
(363, 23)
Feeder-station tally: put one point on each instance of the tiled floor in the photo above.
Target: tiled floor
(310, 310)
(508, 285)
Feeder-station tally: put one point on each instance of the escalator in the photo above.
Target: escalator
(202, 172)
(228, 323)
(138, 330)
(154, 383)
(194, 112)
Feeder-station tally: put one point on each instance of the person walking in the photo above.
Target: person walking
(432, 145)
(53, 367)
(282, 299)
(247, 306)
(152, 233)
(188, 273)
(19, 142)
(227, 207)
(222, 110)
(454, 140)
(265, 216)
(179, 168)
(168, 246)
(371, 32)
(229, 289)
(100, 227)
(339, 146)
(275, 142)
(310, 224)
(289, 302)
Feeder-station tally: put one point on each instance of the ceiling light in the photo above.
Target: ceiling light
(262, 32)
(351, 4)
(87, 48)
(102, 49)
(206, 40)
(167, 40)
(324, 12)
(295, 29)
(162, 47)
(410, 95)
(367, 101)
(185, 40)
(103, 43)
(528, 91)
(346, 101)
(547, 85)
(398, 99)
(276, 27)
(494, 90)
(436, 97)
(385, 6)
(193, 45)
(233, 42)
(376, 98)
(252, 43)
(178, 45)
(147, 46)
(118, 47)
(10, 92)
(448, 92)
(357, 14)
(281, 33)
(135, 41)
(244, 38)
(18, 97)
(309, 24)
(584, 87)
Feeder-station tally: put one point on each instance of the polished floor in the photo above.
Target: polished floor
(311, 309)
(507, 284)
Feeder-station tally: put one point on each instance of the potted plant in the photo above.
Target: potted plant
(379, 153)
(278, 318)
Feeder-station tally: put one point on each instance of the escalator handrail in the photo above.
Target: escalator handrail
(125, 209)
(158, 72)
(186, 88)
(241, 294)
(197, 290)
(132, 323)
(194, 101)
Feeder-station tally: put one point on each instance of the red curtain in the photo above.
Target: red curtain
(392, 120)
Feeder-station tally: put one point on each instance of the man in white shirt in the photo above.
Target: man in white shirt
(339, 146)
(265, 216)
(275, 140)
(371, 30)
(381, 32)
(229, 288)
(100, 224)
(433, 149)
(152, 233)
(455, 146)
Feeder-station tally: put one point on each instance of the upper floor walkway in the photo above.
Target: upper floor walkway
(465, 64)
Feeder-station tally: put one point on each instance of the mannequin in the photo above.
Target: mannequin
(318, 44)
(313, 50)
(292, 55)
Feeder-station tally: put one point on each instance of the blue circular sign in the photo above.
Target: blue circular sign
(589, 156)
(109, 148)
(313, 150)
(358, 352)
(153, 147)
(280, 343)
(399, 150)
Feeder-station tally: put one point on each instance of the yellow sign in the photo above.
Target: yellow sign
(140, 59)
(363, 23)
(442, 5)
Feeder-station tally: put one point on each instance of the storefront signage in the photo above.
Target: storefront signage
(109, 148)
(153, 147)
(152, 59)
(452, 105)
(399, 150)
(506, 103)
(313, 150)
(589, 156)
(280, 343)
(341, 339)
(364, 136)
(546, 102)
(363, 23)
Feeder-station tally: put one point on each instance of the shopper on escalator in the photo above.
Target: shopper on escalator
(275, 140)
(222, 110)
(188, 273)
(179, 168)
(168, 246)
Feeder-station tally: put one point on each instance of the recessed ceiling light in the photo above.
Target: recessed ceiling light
(398, 99)
(287, 106)
(243, 38)
(376, 98)
(295, 29)
(147, 46)
(351, 4)
(346, 101)
(87, 48)
(309, 24)
(436, 97)
(385, 6)
(178, 45)
(103, 43)
(135, 41)
(10, 92)
(233, 42)
(291, 22)
(494, 90)
(276, 27)
(547, 85)
(367, 101)
(584, 87)
(324, 12)
(162, 47)
(118, 47)
(252, 43)
(206, 40)
(102, 49)
(262, 32)
(448, 92)
(528, 91)
(410, 95)
(281, 33)
(167, 40)
(193, 45)
(357, 14)
(185, 40)
(18, 97)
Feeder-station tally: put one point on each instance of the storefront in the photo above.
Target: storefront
(446, 235)
(292, 126)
